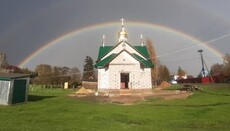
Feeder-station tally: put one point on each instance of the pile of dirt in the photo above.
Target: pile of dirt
(165, 84)
(90, 91)
(83, 91)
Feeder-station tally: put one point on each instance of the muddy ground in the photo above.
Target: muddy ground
(129, 97)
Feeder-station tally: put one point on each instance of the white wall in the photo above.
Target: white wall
(4, 92)
(103, 79)
(139, 78)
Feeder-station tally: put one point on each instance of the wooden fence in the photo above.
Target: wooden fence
(89, 84)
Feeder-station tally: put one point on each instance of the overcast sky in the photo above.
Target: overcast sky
(27, 25)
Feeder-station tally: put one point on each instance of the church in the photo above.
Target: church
(124, 66)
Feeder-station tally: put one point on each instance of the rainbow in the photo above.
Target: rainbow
(100, 25)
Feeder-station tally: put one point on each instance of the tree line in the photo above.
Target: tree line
(222, 69)
(53, 76)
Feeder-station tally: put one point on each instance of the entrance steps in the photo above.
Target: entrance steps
(126, 92)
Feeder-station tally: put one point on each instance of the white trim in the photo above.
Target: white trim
(119, 48)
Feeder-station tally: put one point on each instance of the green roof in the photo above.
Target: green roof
(143, 50)
(103, 51)
(147, 63)
(10, 76)
(106, 49)
(103, 62)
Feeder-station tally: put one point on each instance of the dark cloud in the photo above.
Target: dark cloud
(28, 25)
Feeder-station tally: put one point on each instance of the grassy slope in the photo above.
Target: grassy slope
(52, 109)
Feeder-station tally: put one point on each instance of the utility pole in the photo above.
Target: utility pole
(202, 61)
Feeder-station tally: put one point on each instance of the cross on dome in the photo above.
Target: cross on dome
(141, 37)
(142, 43)
(103, 40)
(122, 22)
(122, 35)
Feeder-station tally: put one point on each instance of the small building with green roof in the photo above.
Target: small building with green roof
(124, 66)
(13, 88)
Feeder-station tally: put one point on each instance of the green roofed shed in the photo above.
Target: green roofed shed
(13, 88)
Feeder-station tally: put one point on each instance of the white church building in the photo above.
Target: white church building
(124, 66)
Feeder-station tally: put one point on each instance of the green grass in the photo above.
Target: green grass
(52, 109)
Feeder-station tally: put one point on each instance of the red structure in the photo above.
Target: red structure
(208, 79)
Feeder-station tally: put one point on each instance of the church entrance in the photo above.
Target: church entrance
(124, 80)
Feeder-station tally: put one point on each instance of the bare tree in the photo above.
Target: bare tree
(75, 76)
(181, 72)
(163, 74)
(217, 69)
(3, 60)
(153, 58)
(45, 74)
(227, 64)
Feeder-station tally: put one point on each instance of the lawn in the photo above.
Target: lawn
(52, 109)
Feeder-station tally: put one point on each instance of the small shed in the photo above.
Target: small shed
(13, 88)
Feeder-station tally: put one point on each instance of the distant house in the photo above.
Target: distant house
(13, 88)
(124, 66)
(10, 69)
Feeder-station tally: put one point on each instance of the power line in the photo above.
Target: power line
(187, 48)
(191, 59)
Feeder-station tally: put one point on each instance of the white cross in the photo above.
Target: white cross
(122, 21)
(103, 40)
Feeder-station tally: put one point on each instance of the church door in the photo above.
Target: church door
(124, 80)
